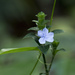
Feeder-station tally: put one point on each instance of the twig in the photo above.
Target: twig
(52, 13)
(45, 64)
(35, 64)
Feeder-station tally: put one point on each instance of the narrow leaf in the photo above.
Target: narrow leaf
(35, 21)
(13, 50)
(57, 31)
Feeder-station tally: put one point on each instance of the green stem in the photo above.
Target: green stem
(51, 62)
(47, 73)
(49, 30)
(35, 64)
(52, 13)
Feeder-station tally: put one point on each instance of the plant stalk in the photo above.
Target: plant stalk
(51, 62)
(52, 13)
(44, 59)
(35, 64)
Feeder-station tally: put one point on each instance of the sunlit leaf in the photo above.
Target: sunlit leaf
(35, 21)
(13, 50)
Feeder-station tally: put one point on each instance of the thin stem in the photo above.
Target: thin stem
(52, 13)
(49, 30)
(51, 62)
(45, 64)
(35, 64)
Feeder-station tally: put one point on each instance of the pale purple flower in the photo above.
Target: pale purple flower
(45, 36)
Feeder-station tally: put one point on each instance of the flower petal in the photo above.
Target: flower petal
(40, 33)
(49, 39)
(45, 31)
(51, 34)
(42, 41)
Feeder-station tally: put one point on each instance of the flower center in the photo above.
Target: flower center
(44, 35)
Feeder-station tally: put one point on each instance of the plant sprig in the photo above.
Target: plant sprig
(44, 38)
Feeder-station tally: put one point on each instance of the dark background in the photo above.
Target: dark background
(18, 14)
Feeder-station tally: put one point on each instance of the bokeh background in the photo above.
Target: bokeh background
(16, 17)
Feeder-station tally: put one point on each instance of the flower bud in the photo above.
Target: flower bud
(41, 15)
(55, 44)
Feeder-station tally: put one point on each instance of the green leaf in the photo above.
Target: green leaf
(41, 27)
(55, 44)
(34, 28)
(46, 21)
(35, 21)
(36, 40)
(44, 48)
(57, 31)
(55, 51)
(41, 15)
(31, 34)
(13, 50)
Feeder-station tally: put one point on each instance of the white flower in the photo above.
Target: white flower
(45, 36)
